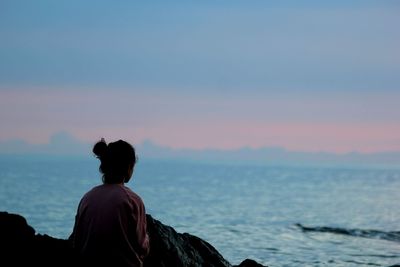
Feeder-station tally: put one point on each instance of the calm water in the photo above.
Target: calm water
(243, 211)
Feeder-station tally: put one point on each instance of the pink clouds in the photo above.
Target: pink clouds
(339, 138)
(334, 122)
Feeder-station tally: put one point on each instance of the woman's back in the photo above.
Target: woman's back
(107, 230)
(110, 224)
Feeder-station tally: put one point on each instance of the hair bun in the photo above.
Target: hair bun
(100, 148)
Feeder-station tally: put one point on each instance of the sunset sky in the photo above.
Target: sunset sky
(302, 75)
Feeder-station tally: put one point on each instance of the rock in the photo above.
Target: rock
(249, 263)
(21, 246)
(169, 248)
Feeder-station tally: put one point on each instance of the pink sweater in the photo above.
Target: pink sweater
(110, 227)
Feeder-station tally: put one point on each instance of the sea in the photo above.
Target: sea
(278, 215)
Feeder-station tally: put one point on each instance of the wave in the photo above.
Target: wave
(390, 236)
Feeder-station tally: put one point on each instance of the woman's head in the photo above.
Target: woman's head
(117, 160)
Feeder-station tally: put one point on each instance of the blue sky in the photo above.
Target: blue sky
(187, 67)
(236, 44)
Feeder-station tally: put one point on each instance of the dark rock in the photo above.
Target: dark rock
(169, 248)
(21, 246)
(16, 239)
(249, 263)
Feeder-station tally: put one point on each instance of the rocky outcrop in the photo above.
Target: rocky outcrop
(21, 246)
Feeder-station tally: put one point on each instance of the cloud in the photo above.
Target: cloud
(61, 143)
(335, 122)
(64, 144)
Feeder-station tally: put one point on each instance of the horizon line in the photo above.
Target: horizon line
(148, 141)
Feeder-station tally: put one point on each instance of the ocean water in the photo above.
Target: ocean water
(350, 216)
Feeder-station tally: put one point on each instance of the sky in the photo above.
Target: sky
(301, 75)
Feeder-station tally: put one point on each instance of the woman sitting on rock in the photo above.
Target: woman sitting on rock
(110, 224)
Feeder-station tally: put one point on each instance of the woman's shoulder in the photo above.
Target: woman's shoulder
(132, 195)
(94, 189)
(102, 190)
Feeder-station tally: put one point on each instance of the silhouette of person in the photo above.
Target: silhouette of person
(110, 223)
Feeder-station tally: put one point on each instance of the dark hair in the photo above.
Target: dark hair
(116, 158)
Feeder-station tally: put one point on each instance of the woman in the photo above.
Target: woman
(110, 224)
